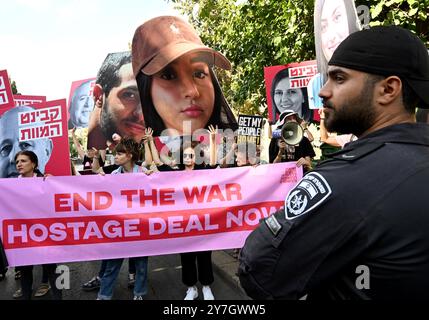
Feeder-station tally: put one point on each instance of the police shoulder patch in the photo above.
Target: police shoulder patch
(309, 193)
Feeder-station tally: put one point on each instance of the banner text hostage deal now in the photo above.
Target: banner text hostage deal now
(81, 218)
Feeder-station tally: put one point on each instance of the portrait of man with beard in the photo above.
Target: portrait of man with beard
(117, 103)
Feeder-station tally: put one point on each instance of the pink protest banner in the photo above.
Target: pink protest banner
(6, 96)
(81, 218)
(26, 100)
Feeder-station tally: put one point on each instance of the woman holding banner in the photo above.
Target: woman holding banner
(27, 166)
(196, 266)
(178, 88)
(126, 155)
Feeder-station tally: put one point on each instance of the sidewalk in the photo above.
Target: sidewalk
(226, 266)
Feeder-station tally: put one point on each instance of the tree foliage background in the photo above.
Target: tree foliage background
(254, 34)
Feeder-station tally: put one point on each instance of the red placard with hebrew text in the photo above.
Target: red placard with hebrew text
(26, 100)
(6, 96)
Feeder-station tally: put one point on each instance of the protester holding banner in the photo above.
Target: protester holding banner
(10, 143)
(117, 103)
(127, 154)
(178, 88)
(27, 165)
(280, 151)
(196, 265)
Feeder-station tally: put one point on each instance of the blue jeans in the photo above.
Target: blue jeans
(131, 267)
(111, 273)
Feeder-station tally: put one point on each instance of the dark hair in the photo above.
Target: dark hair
(422, 115)
(409, 98)
(128, 145)
(185, 145)
(108, 75)
(33, 158)
(222, 115)
(307, 114)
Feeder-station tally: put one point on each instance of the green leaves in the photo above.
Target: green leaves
(254, 34)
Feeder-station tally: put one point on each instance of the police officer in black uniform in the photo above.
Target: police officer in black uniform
(357, 227)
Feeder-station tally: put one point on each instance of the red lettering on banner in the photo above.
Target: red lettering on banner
(60, 200)
(100, 197)
(26, 233)
(233, 189)
(165, 197)
(100, 201)
(129, 194)
(195, 193)
(78, 199)
(153, 198)
(215, 193)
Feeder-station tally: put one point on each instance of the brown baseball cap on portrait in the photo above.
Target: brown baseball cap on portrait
(161, 40)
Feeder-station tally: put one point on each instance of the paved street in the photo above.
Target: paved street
(164, 281)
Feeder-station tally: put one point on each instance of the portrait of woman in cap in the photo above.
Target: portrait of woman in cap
(178, 88)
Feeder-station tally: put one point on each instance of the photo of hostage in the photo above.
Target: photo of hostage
(286, 98)
(117, 104)
(10, 144)
(334, 20)
(299, 149)
(178, 89)
(81, 106)
(27, 166)
(355, 227)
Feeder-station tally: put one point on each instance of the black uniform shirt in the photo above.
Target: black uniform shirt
(365, 211)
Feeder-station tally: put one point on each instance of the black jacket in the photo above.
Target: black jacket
(357, 227)
(3, 260)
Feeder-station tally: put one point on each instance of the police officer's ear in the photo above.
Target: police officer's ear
(388, 90)
(98, 96)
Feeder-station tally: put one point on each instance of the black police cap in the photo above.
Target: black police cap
(387, 51)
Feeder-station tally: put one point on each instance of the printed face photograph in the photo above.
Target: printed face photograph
(287, 98)
(82, 104)
(10, 144)
(334, 25)
(184, 92)
(122, 111)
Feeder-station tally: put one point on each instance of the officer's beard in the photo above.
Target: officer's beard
(354, 116)
(107, 123)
